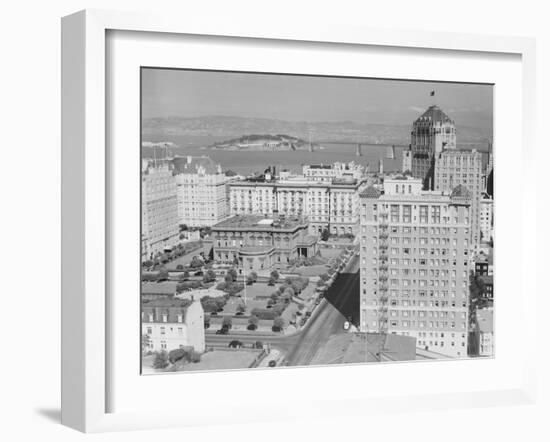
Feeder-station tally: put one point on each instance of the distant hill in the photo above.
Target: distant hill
(215, 130)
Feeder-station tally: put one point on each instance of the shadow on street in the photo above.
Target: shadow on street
(343, 295)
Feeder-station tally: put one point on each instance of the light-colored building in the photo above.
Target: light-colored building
(329, 172)
(256, 243)
(173, 323)
(486, 217)
(484, 332)
(333, 205)
(414, 264)
(432, 132)
(462, 167)
(201, 191)
(159, 210)
(406, 165)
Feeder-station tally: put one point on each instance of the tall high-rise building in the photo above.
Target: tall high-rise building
(432, 132)
(201, 191)
(159, 210)
(414, 264)
(459, 166)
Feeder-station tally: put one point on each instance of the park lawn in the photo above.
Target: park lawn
(330, 252)
(259, 289)
(222, 360)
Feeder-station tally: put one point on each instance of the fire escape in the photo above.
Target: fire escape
(383, 273)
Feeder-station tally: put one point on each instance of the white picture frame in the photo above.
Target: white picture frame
(85, 216)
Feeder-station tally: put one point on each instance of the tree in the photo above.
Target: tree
(145, 342)
(241, 308)
(253, 320)
(148, 263)
(278, 324)
(274, 275)
(176, 355)
(325, 234)
(179, 267)
(254, 276)
(233, 273)
(228, 278)
(227, 322)
(209, 276)
(161, 360)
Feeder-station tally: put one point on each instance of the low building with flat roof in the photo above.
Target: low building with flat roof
(255, 242)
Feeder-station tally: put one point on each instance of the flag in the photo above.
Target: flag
(432, 93)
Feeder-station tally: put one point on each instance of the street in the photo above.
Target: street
(341, 301)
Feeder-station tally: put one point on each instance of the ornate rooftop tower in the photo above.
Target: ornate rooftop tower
(432, 132)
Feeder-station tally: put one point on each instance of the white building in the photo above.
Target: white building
(201, 191)
(333, 205)
(170, 324)
(159, 212)
(459, 166)
(414, 264)
(486, 217)
(484, 332)
(329, 172)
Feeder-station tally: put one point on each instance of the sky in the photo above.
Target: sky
(185, 93)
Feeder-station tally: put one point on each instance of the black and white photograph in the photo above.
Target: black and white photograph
(298, 220)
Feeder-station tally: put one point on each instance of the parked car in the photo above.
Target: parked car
(272, 363)
(222, 331)
(235, 344)
(239, 314)
(199, 273)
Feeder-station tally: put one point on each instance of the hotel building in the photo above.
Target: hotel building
(201, 191)
(432, 132)
(327, 204)
(414, 264)
(458, 166)
(329, 172)
(173, 323)
(259, 243)
(159, 212)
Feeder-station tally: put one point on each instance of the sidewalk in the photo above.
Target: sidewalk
(274, 355)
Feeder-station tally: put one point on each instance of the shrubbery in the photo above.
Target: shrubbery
(161, 360)
(210, 304)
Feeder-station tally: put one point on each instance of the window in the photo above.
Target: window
(406, 213)
(423, 214)
(394, 213)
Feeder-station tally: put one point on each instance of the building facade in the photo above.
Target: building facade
(257, 243)
(159, 210)
(174, 323)
(432, 132)
(330, 205)
(414, 264)
(486, 208)
(484, 332)
(462, 167)
(329, 172)
(201, 191)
